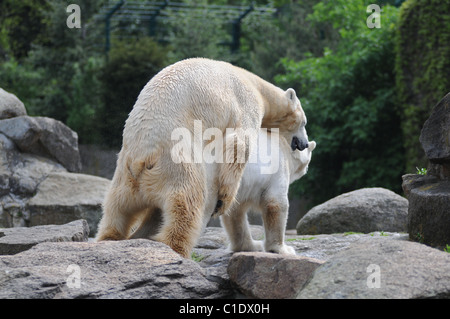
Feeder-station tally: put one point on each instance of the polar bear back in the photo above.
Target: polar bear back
(218, 93)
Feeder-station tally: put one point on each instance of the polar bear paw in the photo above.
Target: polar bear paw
(281, 249)
(253, 245)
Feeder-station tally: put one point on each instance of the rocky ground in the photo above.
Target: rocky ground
(60, 262)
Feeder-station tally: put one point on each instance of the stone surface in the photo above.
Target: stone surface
(141, 268)
(61, 142)
(10, 105)
(270, 276)
(63, 197)
(364, 210)
(213, 256)
(137, 268)
(24, 131)
(429, 209)
(18, 239)
(36, 190)
(382, 269)
(435, 135)
(429, 195)
(45, 137)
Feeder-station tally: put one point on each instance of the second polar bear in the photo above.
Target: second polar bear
(146, 178)
(267, 193)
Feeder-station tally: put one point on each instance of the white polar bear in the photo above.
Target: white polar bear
(147, 179)
(265, 192)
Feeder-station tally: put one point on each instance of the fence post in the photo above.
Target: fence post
(108, 24)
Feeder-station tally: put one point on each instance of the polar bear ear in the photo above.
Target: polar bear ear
(292, 97)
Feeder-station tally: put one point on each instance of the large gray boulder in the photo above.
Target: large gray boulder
(10, 105)
(63, 197)
(364, 210)
(45, 137)
(129, 269)
(18, 239)
(36, 190)
(382, 269)
(429, 209)
(270, 276)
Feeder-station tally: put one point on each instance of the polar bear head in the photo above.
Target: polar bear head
(297, 122)
(300, 160)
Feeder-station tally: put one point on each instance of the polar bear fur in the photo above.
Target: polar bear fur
(146, 177)
(266, 193)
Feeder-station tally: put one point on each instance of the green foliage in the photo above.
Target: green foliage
(422, 64)
(58, 76)
(291, 35)
(197, 34)
(130, 66)
(348, 96)
(21, 80)
(421, 171)
(197, 257)
(21, 25)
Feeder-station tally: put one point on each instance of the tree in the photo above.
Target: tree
(130, 66)
(348, 95)
(21, 25)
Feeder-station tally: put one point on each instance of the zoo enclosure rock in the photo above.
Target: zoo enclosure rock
(45, 137)
(382, 269)
(270, 276)
(63, 197)
(429, 196)
(141, 268)
(364, 210)
(18, 239)
(36, 188)
(10, 105)
(136, 268)
(435, 135)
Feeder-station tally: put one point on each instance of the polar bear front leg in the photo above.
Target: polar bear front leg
(274, 217)
(238, 231)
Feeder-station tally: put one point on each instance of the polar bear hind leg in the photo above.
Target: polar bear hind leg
(236, 154)
(119, 214)
(274, 215)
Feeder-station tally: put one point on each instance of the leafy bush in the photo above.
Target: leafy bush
(130, 66)
(348, 96)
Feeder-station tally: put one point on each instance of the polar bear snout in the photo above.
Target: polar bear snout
(298, 144)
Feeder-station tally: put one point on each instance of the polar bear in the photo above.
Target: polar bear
(267, 193)
(146, 178)
(264, 192)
